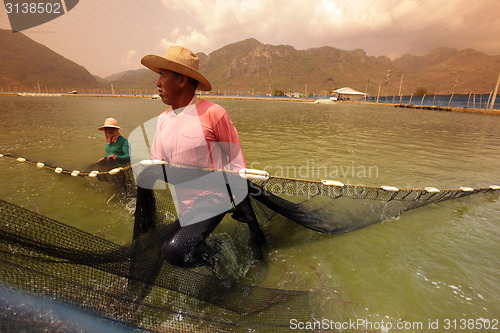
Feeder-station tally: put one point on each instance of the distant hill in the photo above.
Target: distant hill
(139, 79)
(442, 69)
(27, 64)
(251, 67)
(102, 82)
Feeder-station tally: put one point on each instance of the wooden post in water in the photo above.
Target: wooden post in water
(378, 94)
(401, 82)
(489, 99)
(495, 92)
(455, 80)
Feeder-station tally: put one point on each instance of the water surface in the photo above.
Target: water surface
(437, 262)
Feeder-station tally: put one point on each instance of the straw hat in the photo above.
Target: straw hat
(110, 122)
(180, 60)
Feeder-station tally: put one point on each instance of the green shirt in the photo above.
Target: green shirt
(119, 148)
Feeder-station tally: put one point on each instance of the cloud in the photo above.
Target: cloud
(378, 26)
(186, 36)
(131, 54)
(130, 59)
(94, 32)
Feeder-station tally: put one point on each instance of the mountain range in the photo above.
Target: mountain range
(28, 65)
(251, 67)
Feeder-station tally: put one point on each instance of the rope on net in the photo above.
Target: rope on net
(335, 188)
(60, 170)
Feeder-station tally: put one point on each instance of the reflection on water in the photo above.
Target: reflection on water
(435, 262)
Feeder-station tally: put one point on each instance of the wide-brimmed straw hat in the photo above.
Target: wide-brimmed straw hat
(180, 60)
(110, 123)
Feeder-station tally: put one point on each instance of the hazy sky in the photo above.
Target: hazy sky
(109, 36)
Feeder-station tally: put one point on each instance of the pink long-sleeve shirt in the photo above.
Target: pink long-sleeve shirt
(199, 135)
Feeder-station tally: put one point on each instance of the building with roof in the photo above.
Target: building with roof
(347, 93)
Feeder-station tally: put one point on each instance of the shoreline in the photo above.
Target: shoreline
(432, 108)
(262, 98)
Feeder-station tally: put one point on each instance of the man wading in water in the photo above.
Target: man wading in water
(196, 133)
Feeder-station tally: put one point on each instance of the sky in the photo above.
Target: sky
(111, 36)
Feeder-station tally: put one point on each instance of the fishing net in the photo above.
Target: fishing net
(130, 285)
(134, 285)
(325, 206)
(332, 207)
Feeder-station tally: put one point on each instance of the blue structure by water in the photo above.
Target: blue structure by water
(473, 101)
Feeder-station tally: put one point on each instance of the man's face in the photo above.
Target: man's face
(168, 86)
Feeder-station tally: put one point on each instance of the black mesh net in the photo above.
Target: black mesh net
(340, 208)
(131, 284)
(135, 286)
